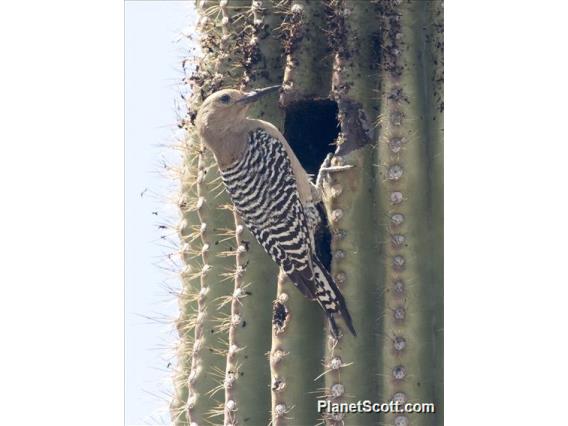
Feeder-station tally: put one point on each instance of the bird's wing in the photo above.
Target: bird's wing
(263, 188)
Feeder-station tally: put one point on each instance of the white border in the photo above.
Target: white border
(61, 177)
(61, 182)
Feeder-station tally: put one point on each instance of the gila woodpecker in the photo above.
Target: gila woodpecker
(271, 191)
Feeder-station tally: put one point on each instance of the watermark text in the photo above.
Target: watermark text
(367, 406)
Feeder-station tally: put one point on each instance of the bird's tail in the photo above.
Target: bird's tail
(329, 296)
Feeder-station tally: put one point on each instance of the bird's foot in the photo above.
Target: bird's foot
(326, 168)
(336, 168)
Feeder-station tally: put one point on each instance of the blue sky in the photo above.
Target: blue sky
(153, 54)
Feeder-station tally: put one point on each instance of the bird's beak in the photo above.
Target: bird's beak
(257, 94)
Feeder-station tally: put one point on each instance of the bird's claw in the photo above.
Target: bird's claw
(326, 168)
(327, 161)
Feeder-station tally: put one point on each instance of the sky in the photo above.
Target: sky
(154, 49)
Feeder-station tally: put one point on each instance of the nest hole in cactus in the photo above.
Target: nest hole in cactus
(311, 128)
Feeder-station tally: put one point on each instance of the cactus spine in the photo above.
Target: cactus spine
(381, 62)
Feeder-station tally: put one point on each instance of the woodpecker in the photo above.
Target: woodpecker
(271, 192)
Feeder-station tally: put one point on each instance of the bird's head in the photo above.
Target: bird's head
(225, 109)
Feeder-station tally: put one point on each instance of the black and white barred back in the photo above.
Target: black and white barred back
(263, 189)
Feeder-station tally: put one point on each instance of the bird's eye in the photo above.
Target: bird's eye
(225, 99)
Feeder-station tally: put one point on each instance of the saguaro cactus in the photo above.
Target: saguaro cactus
(252, 350)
